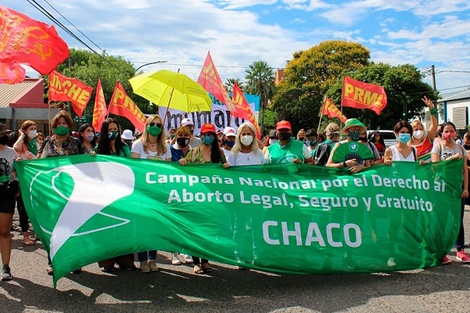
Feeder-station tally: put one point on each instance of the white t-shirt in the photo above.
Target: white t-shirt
(138, 147)
(7, 157)
(241, 158)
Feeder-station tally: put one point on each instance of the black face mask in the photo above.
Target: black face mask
(182, 142)
(284, 136)
(466, 147)
(4, 140)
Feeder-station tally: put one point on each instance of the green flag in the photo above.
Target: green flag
(281, 218)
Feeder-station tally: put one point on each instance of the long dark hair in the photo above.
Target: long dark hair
(215, 149)
(104, 146)
(82, 129)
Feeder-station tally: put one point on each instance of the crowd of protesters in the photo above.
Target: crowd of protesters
(229, 147)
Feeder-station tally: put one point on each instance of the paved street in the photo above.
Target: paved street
(177, 289)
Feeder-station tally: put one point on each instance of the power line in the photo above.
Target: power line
(73, 25)
(68, 31)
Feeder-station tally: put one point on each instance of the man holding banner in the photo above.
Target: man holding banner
(287, 150)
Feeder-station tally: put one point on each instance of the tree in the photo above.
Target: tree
(310, 74)
(260, 81)
(231, 82)
(404, 87)
(89, 67)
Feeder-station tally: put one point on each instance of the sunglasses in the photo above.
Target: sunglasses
(155, 124)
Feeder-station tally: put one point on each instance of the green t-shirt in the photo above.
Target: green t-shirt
(287, 153)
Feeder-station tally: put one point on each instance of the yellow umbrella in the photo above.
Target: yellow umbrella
(172, 90)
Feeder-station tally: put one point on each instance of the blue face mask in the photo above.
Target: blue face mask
(404, 137)
(229, 143)
(207, 140)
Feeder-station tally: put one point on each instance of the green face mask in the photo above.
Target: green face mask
(154, 130)
(61, 130)
(112, 135)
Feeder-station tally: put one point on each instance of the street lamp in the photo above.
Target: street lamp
(150, 63)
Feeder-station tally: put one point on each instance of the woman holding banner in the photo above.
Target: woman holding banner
(62, 143)
(398, 152)
(110, 143)
(245, 150)
(208, 152)
(449, 150)
(151, 146)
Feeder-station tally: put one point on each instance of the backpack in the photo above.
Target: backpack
(323, 153)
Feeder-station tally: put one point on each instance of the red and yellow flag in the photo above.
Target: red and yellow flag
(361, 95)
(99, 111)
(209, 79)
(63, 88)
(24, 40)
(121, 104)
(330, 109)
(11, 73)
(242, 108)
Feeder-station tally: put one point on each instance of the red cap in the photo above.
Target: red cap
(208, 128)
(283, 125)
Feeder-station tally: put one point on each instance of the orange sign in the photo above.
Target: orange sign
(361, 95)
(121, 104)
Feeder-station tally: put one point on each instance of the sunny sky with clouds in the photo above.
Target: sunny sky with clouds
(239, 32)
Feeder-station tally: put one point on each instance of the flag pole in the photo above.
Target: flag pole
(319, 122)
(168, 105)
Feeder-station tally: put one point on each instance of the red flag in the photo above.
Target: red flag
(209, 79)
(243, 109)
(63, 88)
(11, 73)
(361, 95)
(24, 40)
(100, 111)
(330, 109)
(120, 104)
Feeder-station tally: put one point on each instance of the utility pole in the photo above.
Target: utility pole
(433, 76)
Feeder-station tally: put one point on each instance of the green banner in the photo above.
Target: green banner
(281, 218)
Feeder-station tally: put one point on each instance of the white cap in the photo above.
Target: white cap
(229, 131)
(187, 122)
(127, 134)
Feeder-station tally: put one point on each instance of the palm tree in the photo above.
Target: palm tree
(231, 82)
(260, 81)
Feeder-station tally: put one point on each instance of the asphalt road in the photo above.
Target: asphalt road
(177, 289)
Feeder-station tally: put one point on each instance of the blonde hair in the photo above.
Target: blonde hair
(416, 122)
(161, 146)
(254, 144)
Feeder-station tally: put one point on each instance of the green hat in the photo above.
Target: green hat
(353, 122)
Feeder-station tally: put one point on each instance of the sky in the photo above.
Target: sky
(240, 32)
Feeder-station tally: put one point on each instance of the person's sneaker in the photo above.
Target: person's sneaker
(6, 273)
(175, 260)
(153, 266)
(145, 267)
(187, 259)
(462, 257)
(391, 262)
(446, 260)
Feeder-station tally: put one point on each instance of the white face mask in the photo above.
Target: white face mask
(246, 140)
(89, 137)
(272, 141)
(418, 134)
(32, 134)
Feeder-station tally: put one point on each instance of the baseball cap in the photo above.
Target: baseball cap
(208, 128)
(283, 125)
(187, 122)
(230, 132)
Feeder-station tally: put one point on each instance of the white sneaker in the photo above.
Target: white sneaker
(145, 267)
(175, 259)
(187, 259)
